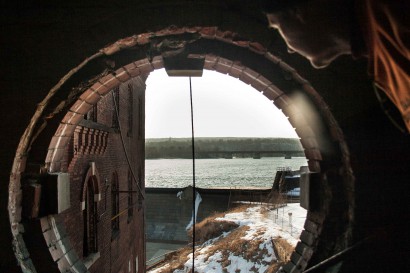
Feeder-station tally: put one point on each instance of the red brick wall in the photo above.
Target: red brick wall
(115, 252)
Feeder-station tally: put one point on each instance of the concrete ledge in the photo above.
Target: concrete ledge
(208, 190)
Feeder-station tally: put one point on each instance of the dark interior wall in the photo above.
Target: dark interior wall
(43, 42)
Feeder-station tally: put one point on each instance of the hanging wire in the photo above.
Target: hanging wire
(193, 178)
(124, 148)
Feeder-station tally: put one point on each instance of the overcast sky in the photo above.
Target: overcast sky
(223, 107)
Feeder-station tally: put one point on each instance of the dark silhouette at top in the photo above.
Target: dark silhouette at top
(322, 30)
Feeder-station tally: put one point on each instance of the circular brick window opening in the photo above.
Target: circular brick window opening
(329, 180)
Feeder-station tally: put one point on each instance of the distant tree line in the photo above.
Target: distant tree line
(218, 146)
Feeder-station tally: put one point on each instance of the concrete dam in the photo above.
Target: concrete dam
(169, 210)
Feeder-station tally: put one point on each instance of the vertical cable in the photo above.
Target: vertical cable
(116, 105)
(193, 178)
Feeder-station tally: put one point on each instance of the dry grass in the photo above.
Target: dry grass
(234, 244)
(207, 229)
(231, 244)
(176, 260)
(210, 228)
(286, 247)
(274, 267)
(239, 208)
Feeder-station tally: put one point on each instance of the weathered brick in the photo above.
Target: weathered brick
(260, 83)
(79, 267)
(257, 48)
(272, 58)
(54, 155)
(45, 224)
(143, 39)
(105, 150)
(210, 62)
(63, 264)
(72, 118)
(309, 142)
(81, 107)
(296, 258)
(314, 166)
(305, 131)
(307, 238)
(109, 81)
(157, 62)
(65, 129)
(192, 29)
(314, 154)
(287, 67)
(296, 118)
(144, 66)
(299, 78)
(223, 65)
(50, 237)
(282, 101)
(301, 248)
(236, 70)
(122, 75)
(225, 36)
(55, 166)
(290, 268)
(72, 257)
(90, 96)
(312, 226)
(272, 92)
(248, 76)
(58, 142)
(59, 230)
(56, 251)
(100, 88)
(208, 32)
(241, 43)
(169, 31)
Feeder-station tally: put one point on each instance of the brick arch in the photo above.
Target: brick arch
(212, 62)
(320, 135)
(92, 176)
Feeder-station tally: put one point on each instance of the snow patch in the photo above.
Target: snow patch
(198, 200)
(263, 224)
(179, 195)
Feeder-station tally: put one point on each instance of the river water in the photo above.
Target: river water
(213, 173)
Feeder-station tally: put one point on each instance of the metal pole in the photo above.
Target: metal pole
(283, 214)
(193, 178)
(290, 222)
